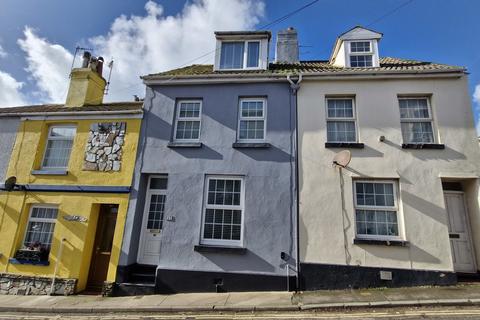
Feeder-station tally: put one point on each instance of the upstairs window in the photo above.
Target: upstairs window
(341, 126)
(188, 120)
(59, 146)
(416, 120)
(251, 126)
(240, 55)
(361, 54)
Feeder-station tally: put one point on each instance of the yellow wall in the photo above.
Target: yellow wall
(30, 144)
(27, 155)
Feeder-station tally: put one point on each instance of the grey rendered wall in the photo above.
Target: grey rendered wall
(8, 132)
(269, 178)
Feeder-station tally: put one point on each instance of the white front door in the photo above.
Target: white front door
(459, 232)
(152, 224)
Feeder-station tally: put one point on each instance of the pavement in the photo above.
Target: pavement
(460, 295)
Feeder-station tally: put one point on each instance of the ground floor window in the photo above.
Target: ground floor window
(39, 233)
(223, 212)
(376, 209)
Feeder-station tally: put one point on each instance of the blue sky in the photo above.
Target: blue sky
(444, 31)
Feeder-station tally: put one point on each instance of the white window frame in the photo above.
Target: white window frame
(395, 208)
(364, 53)
(47, 220)
(409, 120)
(241, 118)
(245, 55)
(342, 119)
(241, 207)
(148, 199)
(177, 119)
(49, 137)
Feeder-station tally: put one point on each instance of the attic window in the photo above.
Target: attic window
(361, 54)
(234, 55)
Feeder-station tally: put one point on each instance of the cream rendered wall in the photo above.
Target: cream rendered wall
(418, 172)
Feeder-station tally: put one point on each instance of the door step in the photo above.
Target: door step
(134, 289)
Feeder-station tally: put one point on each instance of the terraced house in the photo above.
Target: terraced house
(68, 170)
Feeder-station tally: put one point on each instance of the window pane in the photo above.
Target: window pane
(253, 54)
(223, 224)
(414, 108)
(232, 55)
(361, 61)
(374, 194)
(376, 222)
(156, 211)
(187, 130)
(158, 183)
(341, 131)
(57, 153)
(251, 130)
(62, 132)
(251, 109)
(417, 132)
(189, 110)
(340, 108)
(360, 46)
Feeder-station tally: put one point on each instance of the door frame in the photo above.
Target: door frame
(148, 199)
(469, 229)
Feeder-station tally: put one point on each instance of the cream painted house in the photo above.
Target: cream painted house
(405, 210)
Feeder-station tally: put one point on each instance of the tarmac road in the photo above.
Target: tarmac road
(356, 314)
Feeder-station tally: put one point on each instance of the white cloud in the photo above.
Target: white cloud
(142, 44)
(476, 107)
(10, 95)
(3, 53)
(48, 64)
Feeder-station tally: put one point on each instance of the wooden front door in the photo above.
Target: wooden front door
(102, 248)
(459, 232)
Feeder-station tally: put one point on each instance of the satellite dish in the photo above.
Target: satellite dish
(10, 183)
(342, 158)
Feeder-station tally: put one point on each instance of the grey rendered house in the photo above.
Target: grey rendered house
(213, 205)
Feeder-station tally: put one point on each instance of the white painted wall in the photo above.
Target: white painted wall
(418, 171)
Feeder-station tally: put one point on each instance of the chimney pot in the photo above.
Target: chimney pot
(287, 46)
(86, 59)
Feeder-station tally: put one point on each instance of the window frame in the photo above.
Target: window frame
(177, 119)
(49, 137)
(342, 119)
(410, 120)
(241, 207)
(370, 53)
(245, 55)
(148, 200)
(395, 208)
(264, 118)
(47, 220)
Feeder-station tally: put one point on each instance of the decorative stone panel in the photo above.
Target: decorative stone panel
(30, 285)
(104, 147)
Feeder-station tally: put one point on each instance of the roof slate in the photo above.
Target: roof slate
(52, 108)
(317, 66)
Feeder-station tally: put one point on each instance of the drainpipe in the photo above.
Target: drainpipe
(57, 263)
(295, 86)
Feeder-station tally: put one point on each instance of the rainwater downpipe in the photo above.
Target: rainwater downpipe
(295, 86)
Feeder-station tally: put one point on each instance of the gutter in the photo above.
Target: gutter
(241, 78)
(71, 113)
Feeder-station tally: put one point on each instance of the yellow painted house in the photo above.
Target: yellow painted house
(63, 208)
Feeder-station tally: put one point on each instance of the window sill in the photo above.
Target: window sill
(218, 249)
(255, 145)
(393, 243)
(29, 262)
(423, 146)
(353, 145)
(185, 145)
(47, 172)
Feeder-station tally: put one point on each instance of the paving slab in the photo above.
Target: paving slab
(195, 299)
(259, 299)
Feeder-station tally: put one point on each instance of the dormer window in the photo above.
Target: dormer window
(242, 50)
(356, 48)
(234, 55)
(361, 54)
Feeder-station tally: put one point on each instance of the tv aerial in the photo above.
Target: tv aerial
(342, 159)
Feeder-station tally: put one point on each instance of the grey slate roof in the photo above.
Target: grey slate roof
(53, 108)
(317, 66)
